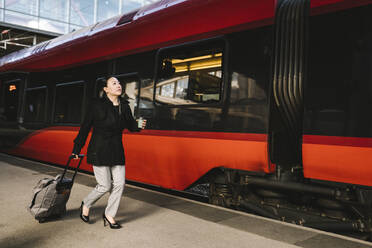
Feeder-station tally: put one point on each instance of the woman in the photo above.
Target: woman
(108, 116)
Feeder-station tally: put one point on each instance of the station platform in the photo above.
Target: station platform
(149, 218)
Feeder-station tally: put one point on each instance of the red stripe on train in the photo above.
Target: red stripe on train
(338, 140)
(260, 137)
(170, 159)
(325, 6)
(338, 159)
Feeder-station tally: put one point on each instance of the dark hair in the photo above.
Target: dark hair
(101, 83)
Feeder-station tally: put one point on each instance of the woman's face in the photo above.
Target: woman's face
(113, 87)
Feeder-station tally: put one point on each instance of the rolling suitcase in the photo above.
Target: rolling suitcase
(50, 195)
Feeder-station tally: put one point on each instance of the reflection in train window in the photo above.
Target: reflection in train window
(9, 108)
(146, 106)
(130, 86)
(147, 91)
(68, 102)
(35, 104)
(190, 77)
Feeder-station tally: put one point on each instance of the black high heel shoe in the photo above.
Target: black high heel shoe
(83, 217)
(112, 226)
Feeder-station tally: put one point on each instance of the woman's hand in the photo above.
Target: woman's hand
(75, 156)
(144, 123)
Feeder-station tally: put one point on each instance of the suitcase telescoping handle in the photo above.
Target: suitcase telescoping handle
(81, 156)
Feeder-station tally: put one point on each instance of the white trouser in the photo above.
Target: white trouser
(106, 177)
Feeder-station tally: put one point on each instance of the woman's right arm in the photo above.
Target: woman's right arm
(85, 127)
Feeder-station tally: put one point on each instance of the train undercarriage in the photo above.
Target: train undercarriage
(287, 196)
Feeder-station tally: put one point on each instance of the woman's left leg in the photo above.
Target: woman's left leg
(118, 178)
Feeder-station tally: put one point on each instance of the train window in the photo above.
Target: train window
(338, 98)
(68, 102)
(249, 63)
(190, 75)
(9, 109)
(35, 104)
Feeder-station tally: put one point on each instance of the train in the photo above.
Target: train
(265, 103)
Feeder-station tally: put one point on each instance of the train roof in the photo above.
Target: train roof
(159, 24)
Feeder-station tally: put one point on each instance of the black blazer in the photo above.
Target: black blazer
(105, 146)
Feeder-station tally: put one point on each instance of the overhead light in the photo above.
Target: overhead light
(175, 61)
(5, 31)
(12, 87)
(214, 62)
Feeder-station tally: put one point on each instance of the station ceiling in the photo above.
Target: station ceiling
(13, 39)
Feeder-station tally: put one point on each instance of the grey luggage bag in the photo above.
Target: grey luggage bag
(50, 195)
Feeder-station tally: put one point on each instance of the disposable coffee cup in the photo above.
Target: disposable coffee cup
(140, 122)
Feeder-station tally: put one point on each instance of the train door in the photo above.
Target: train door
(11, 114)
(337, 141)
(10, 100)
